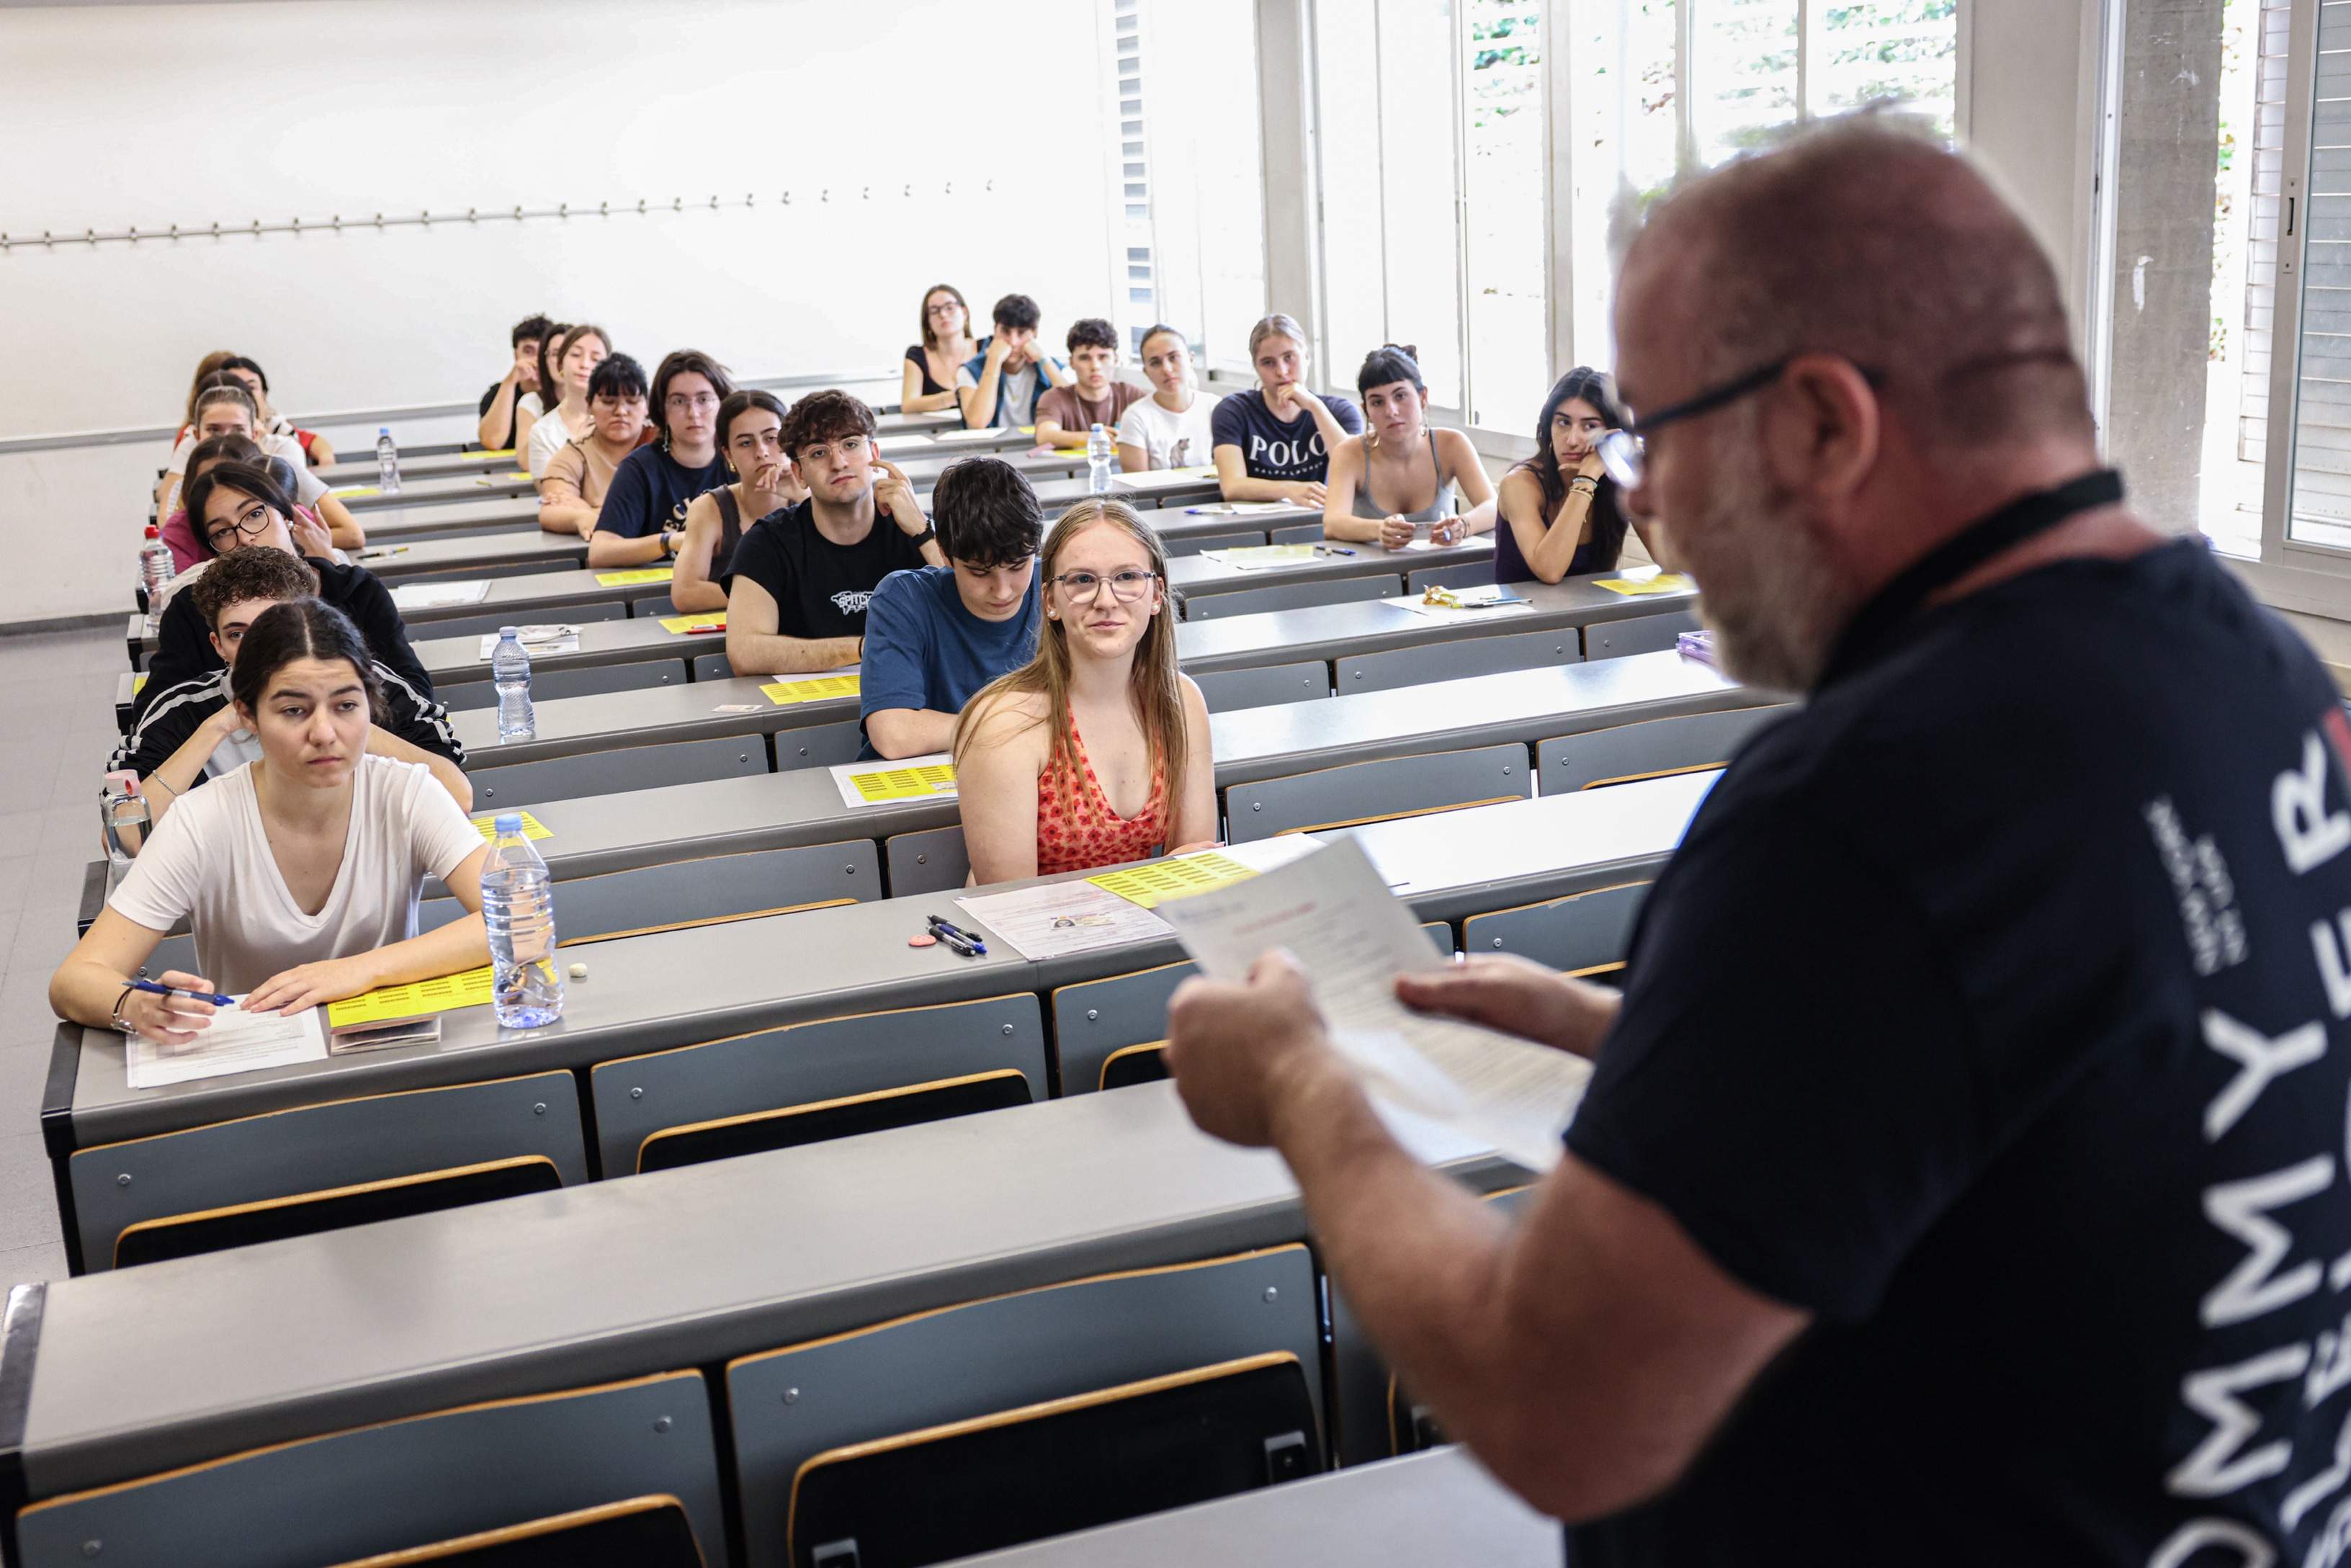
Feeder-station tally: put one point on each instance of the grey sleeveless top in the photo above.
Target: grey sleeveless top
(1443, 506)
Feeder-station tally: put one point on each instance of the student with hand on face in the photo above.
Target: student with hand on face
(191, 731)
(928, 385)
(1096, 751)
(1561, 515)
(1400, 476)
(503, 403)
(1066, 415)
(1273, 442)
(307, 490)
(234, 506)
(643, 521)
(572, 491)
(570, 364)
(750, 442)
(1171, 428)
(1000, 386)
(225, 407)
(300, 874)
(934, 637)
(803, 577)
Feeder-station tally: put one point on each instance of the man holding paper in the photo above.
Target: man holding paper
(1958, 1179)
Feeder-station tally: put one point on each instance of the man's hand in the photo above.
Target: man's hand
(893, 494)
(1307, 492)
(1236, 1051)
(1503, 991)
(525, 367)
(999, 348)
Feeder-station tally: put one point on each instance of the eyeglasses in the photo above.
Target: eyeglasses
(943, 307)
(253, 522)
(1623, 453)
(1126, 587)
(680, 401)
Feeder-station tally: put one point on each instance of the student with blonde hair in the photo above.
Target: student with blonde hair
(1096, 751)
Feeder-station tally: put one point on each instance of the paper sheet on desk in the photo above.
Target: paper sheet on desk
(561, 638)
(1055, 919)
(439, 595)
(879, 782)
(235, 1041)
(1352, 938)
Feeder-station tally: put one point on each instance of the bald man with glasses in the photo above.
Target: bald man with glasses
(1960, 1177)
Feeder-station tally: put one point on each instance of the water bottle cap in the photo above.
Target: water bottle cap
(1097, 426)
(153, 532)
(508, 822)
(384, 429)
(509, 633)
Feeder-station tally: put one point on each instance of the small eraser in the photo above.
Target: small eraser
(924, 940)
(578, 971)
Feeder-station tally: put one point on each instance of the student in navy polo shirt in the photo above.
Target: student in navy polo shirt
(1273, 442)
(936, 636)
(643, 521)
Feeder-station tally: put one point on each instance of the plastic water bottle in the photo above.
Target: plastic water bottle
(518, 907)
(155, 569)
(1099, 456)
(122, 815)
(387, 461)
(510, 673)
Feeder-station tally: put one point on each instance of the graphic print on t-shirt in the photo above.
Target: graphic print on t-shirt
(853, 601)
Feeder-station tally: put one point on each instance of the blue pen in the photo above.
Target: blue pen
(956, 934)
(155, 990)
(1327, 550)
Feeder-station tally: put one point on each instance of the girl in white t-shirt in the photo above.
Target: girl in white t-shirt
(300, 874)
(1169, 429)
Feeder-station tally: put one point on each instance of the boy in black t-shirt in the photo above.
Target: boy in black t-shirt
(801, 578)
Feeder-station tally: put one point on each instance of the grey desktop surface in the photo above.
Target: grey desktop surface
(177, 1362)
(1427, 1509)
(653, 991)
(482, 554)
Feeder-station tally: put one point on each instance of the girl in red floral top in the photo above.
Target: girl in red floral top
(1096, 751)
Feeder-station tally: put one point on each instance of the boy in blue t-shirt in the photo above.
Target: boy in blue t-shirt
(935, 637)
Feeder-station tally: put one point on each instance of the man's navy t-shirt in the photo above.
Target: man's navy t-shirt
(925, 649)
(1279, 449)
(1992, 1011)
(651, 490)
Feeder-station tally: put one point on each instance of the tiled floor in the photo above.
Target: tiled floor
(57, 726)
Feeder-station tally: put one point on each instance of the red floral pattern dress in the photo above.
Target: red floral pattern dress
(1076, 828)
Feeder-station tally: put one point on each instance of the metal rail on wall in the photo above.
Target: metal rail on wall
(337, 222)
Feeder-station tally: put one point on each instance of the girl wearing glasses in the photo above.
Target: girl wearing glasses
(928, 385)
(1561, 512)
(643, 520)
(237, 506)
(1096, 751)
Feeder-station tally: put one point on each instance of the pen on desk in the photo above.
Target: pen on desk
(1332, 550)
(703, 631)
(155, 990)
(968, 949)
(953, 934)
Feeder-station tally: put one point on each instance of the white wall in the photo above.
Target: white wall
(152, 115)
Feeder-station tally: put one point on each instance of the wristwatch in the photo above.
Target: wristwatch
(925, 536)
(670, 543)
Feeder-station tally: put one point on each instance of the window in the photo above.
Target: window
(1198, 223)
(1389, 162)
(1502, 179)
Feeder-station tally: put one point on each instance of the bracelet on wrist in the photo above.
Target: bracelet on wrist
(115, 1015)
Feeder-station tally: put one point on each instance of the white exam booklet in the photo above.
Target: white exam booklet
(440, 595)
(234, 1041)
(1353, 937)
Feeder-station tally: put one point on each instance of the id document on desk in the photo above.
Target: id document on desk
(1353, 937)
(234, 1041)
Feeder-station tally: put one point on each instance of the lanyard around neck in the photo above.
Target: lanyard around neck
(2020, 519)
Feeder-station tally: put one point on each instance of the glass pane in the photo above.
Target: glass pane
(2250, 166)
(1507, 241)
(1206, 217)
(1417, 178)
(1347, 147)
(2321, 512)
(1742, 74)
(1907, 50)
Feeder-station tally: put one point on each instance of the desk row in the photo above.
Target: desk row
(993, 1314)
